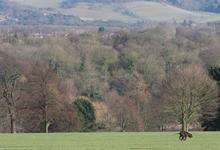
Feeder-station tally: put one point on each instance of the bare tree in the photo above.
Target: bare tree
(187, 90)
(10, 94)
(10, 88)
(126, 119)
(41, 82)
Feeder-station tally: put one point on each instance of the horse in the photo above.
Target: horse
(183, 135)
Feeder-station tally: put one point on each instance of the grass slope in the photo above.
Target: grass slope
(109, 141)
(39, 3)
(103, 12)
(125, 12)
(164, 12)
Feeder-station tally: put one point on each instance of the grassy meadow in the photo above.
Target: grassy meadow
(109, 141)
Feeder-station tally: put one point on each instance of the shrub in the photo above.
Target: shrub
(86, 113)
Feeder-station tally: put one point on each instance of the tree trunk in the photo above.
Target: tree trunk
(46, 120)
(47, 127)
(187, 127)
(183, 123)
(162, 128)
(12, 123)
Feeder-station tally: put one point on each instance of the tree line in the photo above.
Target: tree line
(158, 79)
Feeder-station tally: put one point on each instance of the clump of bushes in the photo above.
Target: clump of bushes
(86, 113)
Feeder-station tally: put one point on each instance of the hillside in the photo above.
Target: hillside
(125, 75)
(202, 5)
(134, 11)
(198, 5)
(124, 11)
(15, 13)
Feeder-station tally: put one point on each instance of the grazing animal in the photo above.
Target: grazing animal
(184, 135)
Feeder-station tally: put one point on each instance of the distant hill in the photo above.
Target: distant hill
(71, 3)
(132, 11)
(15, 13)
(202, 5)
(98, 12)
(39, 3)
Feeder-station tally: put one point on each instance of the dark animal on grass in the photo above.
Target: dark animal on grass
(184, 135)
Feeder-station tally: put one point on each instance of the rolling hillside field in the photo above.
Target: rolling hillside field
(109, 141)
(39, 3)
(127, 12)
(98, 12)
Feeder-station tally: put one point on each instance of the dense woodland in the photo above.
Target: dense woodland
(109, 80)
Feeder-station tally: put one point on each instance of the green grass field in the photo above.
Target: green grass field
(109, 141)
